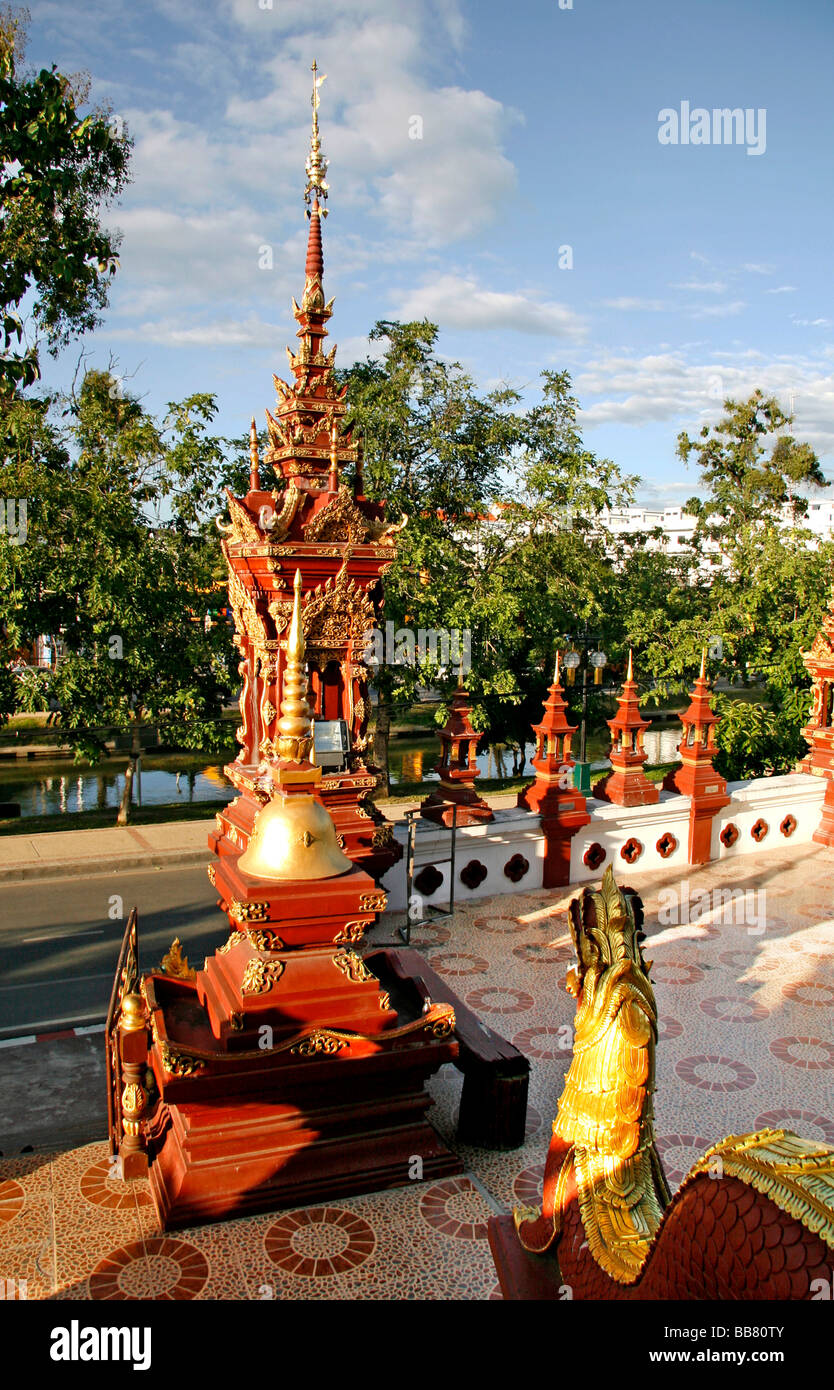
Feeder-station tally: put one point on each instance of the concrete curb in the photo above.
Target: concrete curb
(79, 868)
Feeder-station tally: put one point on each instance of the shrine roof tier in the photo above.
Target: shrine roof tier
(628, 716)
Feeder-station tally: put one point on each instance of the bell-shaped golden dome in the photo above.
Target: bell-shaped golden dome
(294, 838)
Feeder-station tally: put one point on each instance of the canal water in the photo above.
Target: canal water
(47, 789)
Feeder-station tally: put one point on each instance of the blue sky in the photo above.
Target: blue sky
(699, 271)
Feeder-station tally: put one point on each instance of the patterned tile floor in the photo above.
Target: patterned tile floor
(745, 990)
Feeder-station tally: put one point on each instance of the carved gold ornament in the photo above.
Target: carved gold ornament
(373, 902)
(350, 933)
(178, 1062)
(176, 964)
(260, 975)
(317, 1043)
(248, 912)
(353, 967)
(234, 939)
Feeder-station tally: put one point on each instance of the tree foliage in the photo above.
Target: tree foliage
(57, 170)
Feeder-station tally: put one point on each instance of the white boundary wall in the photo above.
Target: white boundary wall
(519, 832)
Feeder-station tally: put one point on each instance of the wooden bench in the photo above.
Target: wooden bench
(496, 1076)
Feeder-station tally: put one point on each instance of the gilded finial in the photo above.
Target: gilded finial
(630, 671)
(334, 457)
(556, 668)
(317, 187)
(294, 729)
(703, 674)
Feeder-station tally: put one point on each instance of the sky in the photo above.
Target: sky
(495, 168)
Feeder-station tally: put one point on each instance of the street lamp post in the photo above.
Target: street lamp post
(585, 652)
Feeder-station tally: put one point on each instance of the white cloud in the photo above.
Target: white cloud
(704, 286)
(221, 333)
(457, 302)
(782, 289)
(666, 387)
(756, 268)
(719, 311)
(206, 194)
(628, 303)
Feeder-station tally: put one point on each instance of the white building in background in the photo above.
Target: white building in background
(678, 526)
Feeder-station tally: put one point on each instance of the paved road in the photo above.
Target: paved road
(59, 944)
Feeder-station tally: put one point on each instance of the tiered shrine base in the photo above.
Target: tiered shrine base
(322, 1112)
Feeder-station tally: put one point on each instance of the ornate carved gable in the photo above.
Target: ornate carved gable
(340, 520)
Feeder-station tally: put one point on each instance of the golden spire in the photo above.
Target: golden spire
(333, 482)
(556, 669)
(630, 671)
(703, 674)
(295, 734)
(317, 187)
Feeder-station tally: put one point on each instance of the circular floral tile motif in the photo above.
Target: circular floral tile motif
(820, 996)
(501, 925)
(678, 1152)
(449, 963)
(740, 959)
(800, 1121)
(162, 1267)
(533, 1123)
(98, 1187)
(545, 1043)
(813, 948)
(733, 1008)
(319, 1241)
(676, 972)
(12, 1199)
(495, 1000)
(811, 1054)
(713, 1073)
(456, 1208)
(538, 953)
(430, 935)
(527, 1186)
(668, 1027)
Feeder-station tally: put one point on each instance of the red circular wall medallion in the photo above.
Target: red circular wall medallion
(594, 856)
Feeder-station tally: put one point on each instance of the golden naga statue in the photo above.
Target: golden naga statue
(754, 1217)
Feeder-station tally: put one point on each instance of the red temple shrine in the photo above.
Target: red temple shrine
(342, 545)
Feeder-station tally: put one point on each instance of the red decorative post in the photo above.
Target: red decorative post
(457, 769)
(553, 796)
(697, 778)
(627, 783)
(819, 732)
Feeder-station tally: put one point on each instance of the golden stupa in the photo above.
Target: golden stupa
(294, 836)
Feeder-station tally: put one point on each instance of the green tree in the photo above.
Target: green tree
(126, 589)
(495, 500)
(57, 170)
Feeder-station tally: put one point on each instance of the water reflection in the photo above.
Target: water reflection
(44, 791)
(39, 793)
